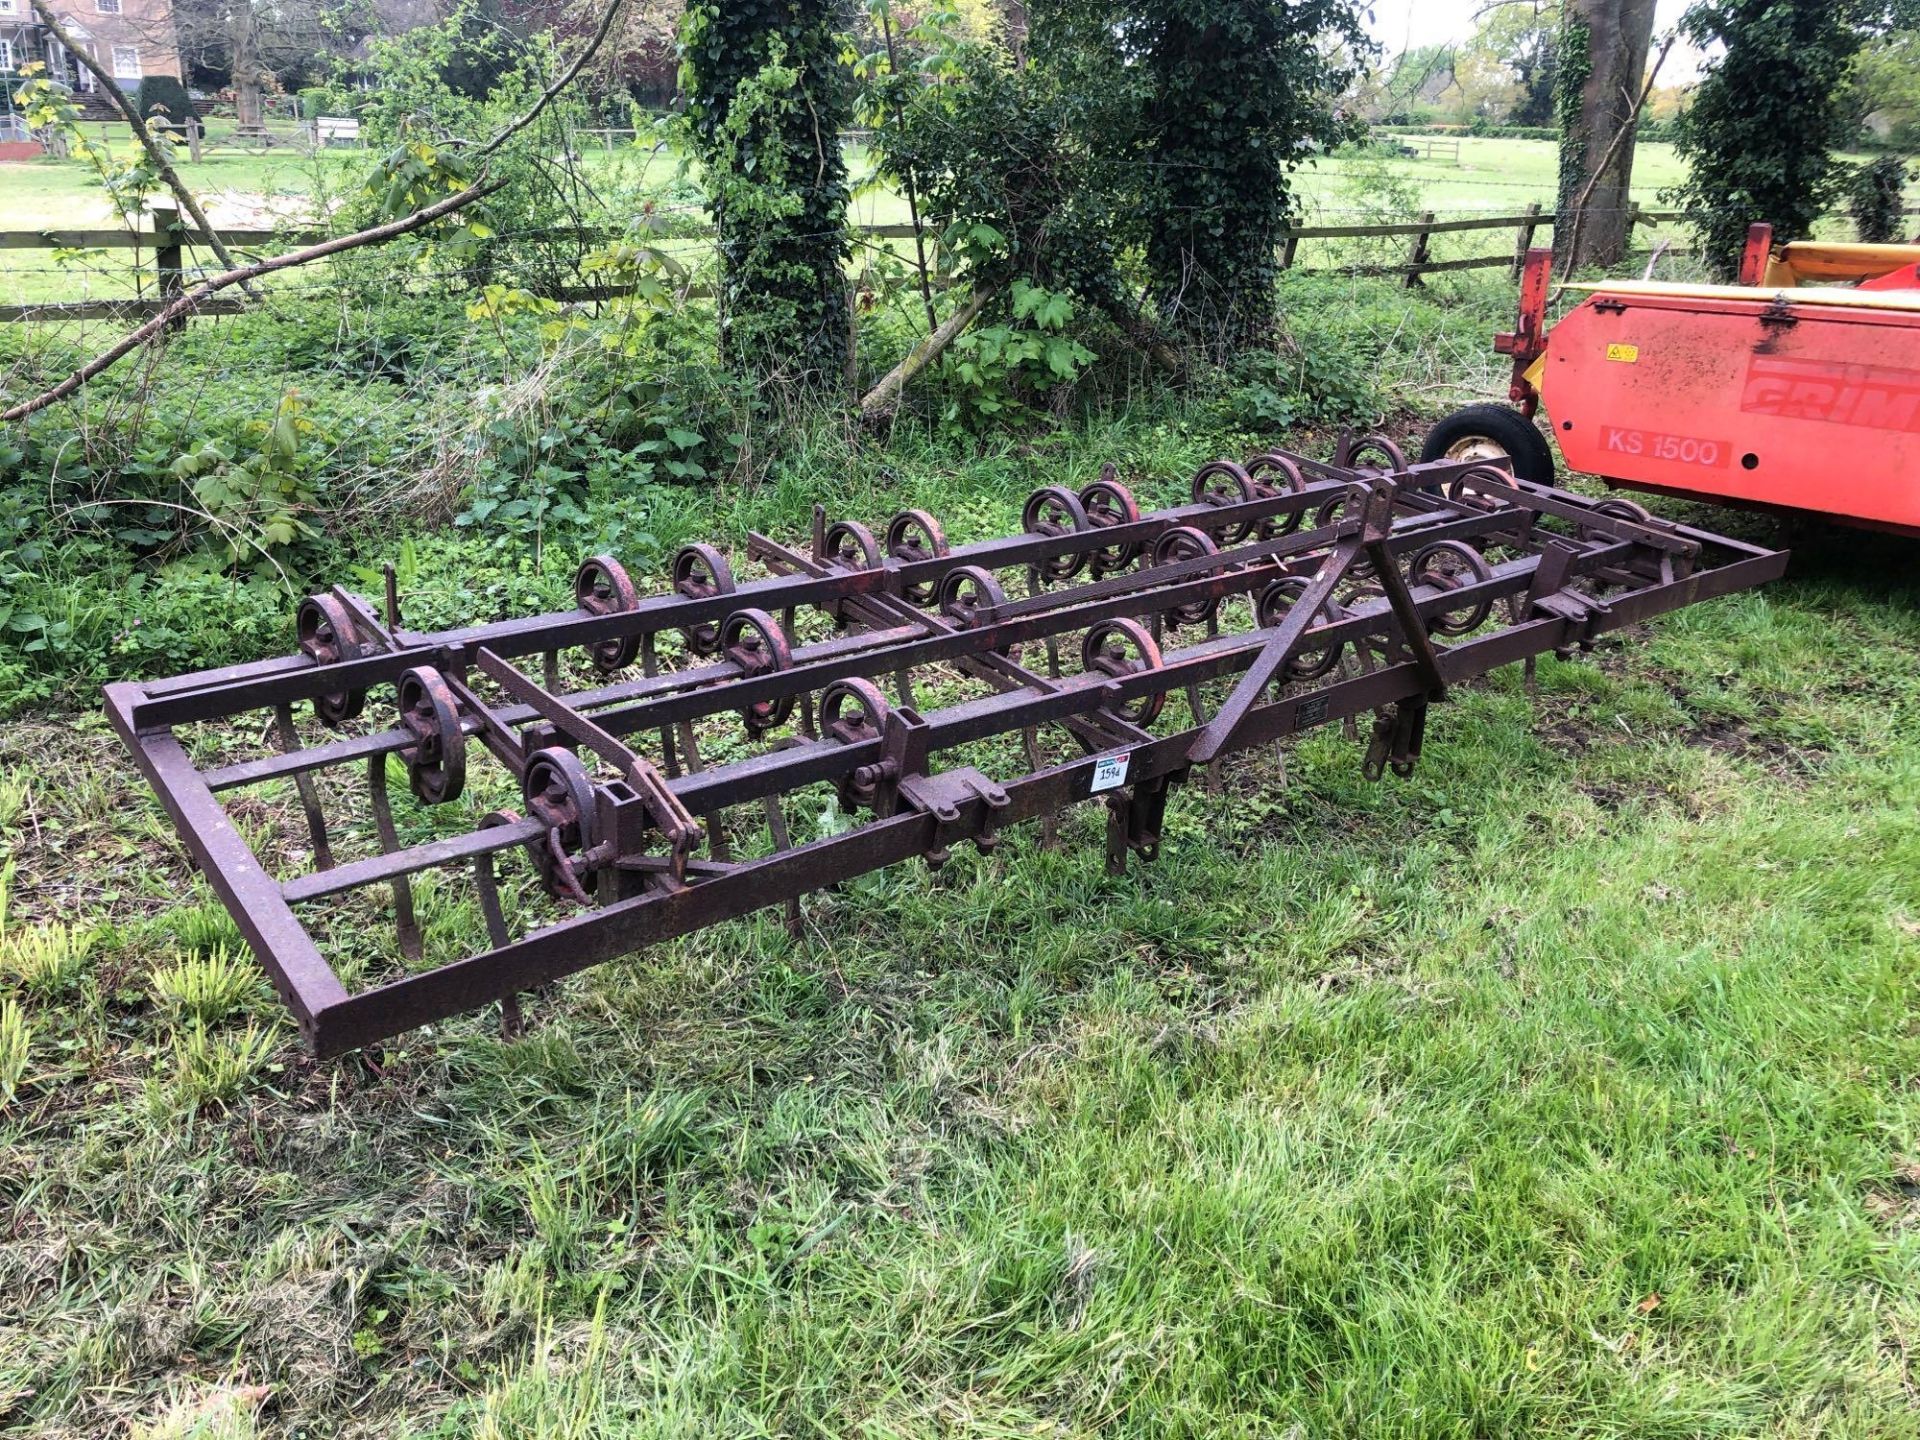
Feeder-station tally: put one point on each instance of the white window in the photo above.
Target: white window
(6, 56)
(126, 62)
(107, 7)
(9, 7)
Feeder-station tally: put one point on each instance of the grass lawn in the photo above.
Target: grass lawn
(1565, 1088)
(1493, 176)
(260, 189)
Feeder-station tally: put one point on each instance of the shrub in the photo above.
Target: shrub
(1875, 192)
(1241, 92)
(165, 96)
(1766, 119)
(318, 100)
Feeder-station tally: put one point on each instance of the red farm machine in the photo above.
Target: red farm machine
(1785, 392)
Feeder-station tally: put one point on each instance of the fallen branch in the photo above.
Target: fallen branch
(131, 114)
(188, 302)
(880, 402)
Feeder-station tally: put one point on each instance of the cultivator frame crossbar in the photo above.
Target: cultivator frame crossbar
(1367, 585)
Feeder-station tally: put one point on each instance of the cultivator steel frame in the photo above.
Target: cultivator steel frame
(1300, 593)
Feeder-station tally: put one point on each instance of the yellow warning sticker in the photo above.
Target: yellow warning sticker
(1625, 354)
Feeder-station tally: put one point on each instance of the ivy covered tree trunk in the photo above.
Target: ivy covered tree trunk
(1240, 93)
(767, 97)
(1767, 117)
(1603, 61)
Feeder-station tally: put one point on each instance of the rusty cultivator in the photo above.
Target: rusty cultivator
(638, 762)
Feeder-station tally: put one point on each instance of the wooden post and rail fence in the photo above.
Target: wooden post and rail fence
(169, 241)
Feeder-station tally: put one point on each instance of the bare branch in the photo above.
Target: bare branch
(188, 302)
(519, 123)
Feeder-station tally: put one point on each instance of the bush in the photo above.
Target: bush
(1874, 194)
(1766, 119)
(318, 100)
(164, 96)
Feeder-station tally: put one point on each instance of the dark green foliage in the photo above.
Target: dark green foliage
(1537, 69)
(767, 97)
(1874, 193)
(165, 96)
(318, 100)
(1162, 128)
(484, 54)
(1241, 94)
(1001, 175)
(1766, 118)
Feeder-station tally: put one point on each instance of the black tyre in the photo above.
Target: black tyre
(1487, 432)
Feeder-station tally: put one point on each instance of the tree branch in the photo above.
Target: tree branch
(190, 301)
(515, 126)
(131, 114)
(881, 401)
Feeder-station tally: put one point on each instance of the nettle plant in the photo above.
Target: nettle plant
(257, 490)
(995, 371)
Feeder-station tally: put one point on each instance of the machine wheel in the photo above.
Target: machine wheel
(1487, 432)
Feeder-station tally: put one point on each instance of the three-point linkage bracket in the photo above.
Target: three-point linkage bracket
(901, 783)
(1366, 530)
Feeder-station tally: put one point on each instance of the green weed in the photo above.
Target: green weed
(16, 1041)
(208, 987)
(211, 1066)
(46, 961)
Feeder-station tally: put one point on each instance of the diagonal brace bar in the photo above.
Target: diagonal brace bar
(1220, 733)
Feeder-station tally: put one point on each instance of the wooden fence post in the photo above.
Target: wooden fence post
(168, 260)
(1288, 247)
(1417, 257)
(1525, 242)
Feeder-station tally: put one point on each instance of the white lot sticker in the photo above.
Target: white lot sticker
(1109, 773)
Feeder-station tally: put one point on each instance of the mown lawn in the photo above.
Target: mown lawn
(1563, 1089)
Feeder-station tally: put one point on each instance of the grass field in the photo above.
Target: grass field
(1563, 1089)
(254, 189)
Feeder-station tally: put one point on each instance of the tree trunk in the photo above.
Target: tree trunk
(1603, 60)
(248, 74)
